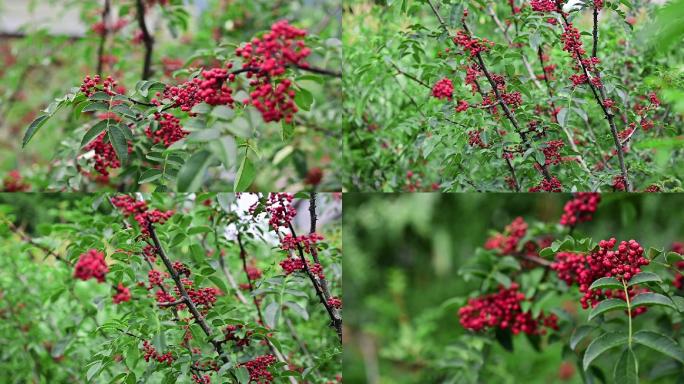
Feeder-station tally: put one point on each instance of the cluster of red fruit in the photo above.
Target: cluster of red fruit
(335, 302)
(258, 369)
(280, 209)
(623, 264)
(231, 335)
(266, 58)
(210, 88)
(140, 212)
(13, 183)
(552, 152)
(91, 265)
(548, 185)
(471, 45)
(580, 208)
(89, 86)
(151, 353)
(169, 130)
(443, 89)
(104, 156)
(545, 5)
(122, 294)
(507, 242)
(503, 310)
(306, 242)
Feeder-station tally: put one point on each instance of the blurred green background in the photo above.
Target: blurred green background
(401, 261)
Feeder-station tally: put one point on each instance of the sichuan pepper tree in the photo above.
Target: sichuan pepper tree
(246, 96)
(618, 282)
(191, 289)
(542, 95)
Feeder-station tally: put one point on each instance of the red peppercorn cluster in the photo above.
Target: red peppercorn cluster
(151, 353)
(507, 242)
(619, 183)
(580, 208)
(291, 265)
(13, 183)
(123, 294)
(462, 106)
(169, 130)
(91, 265)
(552, 152)
(622, 264)
(470, 44)
(156, 278)
(258, 369)
(474, 139)
(280, 209)
(545, 5)
(253, 273)
(140, 212)
(269, 55)
(503, 310)
(104, 155)
(306, 242)
(231, 335)
(150, 252)
(181, 269)
(203, 297)
(266, 58)
(211, 88)
(443, 89)
(335, 302)
(598, 4)
(608, 103)
(89, 85)
(552, 185)
(275, 103)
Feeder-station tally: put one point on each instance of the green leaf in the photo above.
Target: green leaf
(33, 128)
(651, 298)
(149, 176)
(644, 277)
(93, 370)
(304, 99)
(606, 282)
(223, 112)
(607, 305)
(96, 106)
(660, 343)
(287, 130)
(118, 139)
(192, 173)
(245, 175)
(627, 368)
(579, 334)
(602, 344)
(678, 302)
(242, 375)
(95, 131)
(272, 314)
(298, 309)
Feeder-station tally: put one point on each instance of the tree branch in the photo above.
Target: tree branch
(199, 319)
(335, 319)
(148, 40)
(608, 115)
(105, 33)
